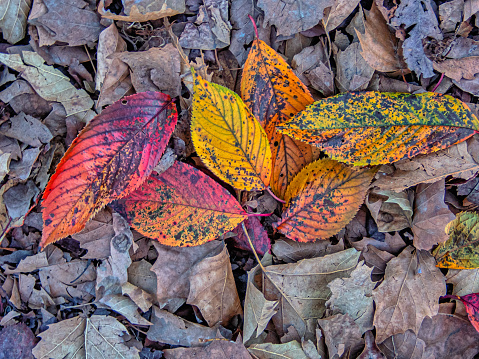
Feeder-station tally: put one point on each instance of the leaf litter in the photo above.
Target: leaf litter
(370, 253)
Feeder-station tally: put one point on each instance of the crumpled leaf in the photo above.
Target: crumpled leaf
(290, 350)
(181, 207)
(144, 10)
(353, 296)
(78, 338)
(431, 215)
(213, 289)
(228, 138)
(291, 283)
(380, 48)
(410, 292)
(14, 19)
(48, 82)
(338, 12)
(274, 94)
(392, 211)
(112, 156)
(371, 128)
(460, 250)
(322, 199)
(295, 16)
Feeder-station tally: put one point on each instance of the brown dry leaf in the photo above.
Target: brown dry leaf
(65, 21)
(354, 73)
(14, 19)
(342, 336)
(17, 341)
(174, 266)
(157, 69)
(170, 329)
(338, 12)
(404, 345)
(219, 348)
(141, 276)
(242, 32)
(97, 235)
(456, 161)
(213, 30)
(410, 292)
(49, 82)
(450, 14)
(470, 8)
(431, 215)
(464, 281)
(258, 311)
(84, 337)
(293, 17)
(27, 129)
(458, 69)
(290, 350)
(124, 306)
(353, 296)
(141, 298)
(144, 10)
(290, 251)
(213, 289)
(291, 283)
(379, 46)
(371, 350)
(377, 259)
(392, 211)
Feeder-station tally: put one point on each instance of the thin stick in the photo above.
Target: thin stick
(274, 196)
(252, 247)
(254, 25)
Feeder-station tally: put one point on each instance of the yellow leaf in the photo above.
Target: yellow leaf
(227, 137)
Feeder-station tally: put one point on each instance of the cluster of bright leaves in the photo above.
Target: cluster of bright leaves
(271, 136)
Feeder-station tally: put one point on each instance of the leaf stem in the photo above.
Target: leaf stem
(274, 196)
(254, 25)
(438, 83)
(449, 296)
(259, 214)
(252, 247)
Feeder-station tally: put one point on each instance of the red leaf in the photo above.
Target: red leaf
(181, 207)
(258, 235)
(112, 156)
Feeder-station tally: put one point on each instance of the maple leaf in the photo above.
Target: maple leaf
(181, 207)
(370, 128)
(322, 199)
(228, 138)
(112, 156)
(274, 94)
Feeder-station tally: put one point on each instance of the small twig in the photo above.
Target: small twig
(274, 196)
(91, 61)
(438, 83)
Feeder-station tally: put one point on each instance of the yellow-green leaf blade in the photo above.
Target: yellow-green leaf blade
(322, 199)
(371, 128)
(461, 250)
(227, 137)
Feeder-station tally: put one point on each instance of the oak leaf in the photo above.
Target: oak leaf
(112, 156)
(228, 138)
(322, 199)
(274, 94)
(410, 292)
(370, 128)
(181, 207)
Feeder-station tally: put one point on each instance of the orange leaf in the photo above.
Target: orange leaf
(112, 156)
(322, 199)
(181, 207)
(274, 93)
(228, 138)
(370, 128)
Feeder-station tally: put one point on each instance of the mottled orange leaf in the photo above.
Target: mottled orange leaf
(370, 128)
(227, 137)
(273, 92)
(322, 199)
(181, 207)
(112, 156)
(461, 250)
(471, 302)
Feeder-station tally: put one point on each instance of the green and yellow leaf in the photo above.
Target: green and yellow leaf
(322, 199)
(227, 137)
(273, 92)
(371, 128)
(461, 250)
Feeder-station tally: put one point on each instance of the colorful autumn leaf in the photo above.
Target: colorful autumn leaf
(322, 199)
(227, 137)
(112, 156)
(274, 94)
(181, 207)
(471, 302)
(461, 250)
(371, 128)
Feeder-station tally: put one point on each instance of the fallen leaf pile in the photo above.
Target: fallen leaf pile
(239, 179)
